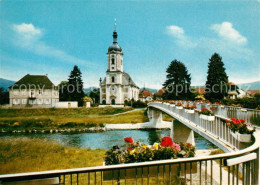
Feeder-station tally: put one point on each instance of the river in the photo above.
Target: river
(105, 140)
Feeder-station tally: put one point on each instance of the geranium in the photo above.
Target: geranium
(239, 125)
(176, 146)
(207, 112)
(166, 141)
(129, 140)
(179, 104)
(190, 107)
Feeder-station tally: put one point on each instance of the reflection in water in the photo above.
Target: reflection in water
(107, 139)
(154, 136)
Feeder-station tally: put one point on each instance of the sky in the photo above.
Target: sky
(50, 37)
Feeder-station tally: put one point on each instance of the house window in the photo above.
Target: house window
(31, 102)
(24, 101)
(24, 92)
(32, 93)
(16, 92)
(40, 92)
(113, 61)
(113, 79)
(39, 101)
(47, 101)
(47, 91)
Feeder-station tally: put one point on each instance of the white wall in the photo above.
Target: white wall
(65, 104)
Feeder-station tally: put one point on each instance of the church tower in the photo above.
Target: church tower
(117, 88)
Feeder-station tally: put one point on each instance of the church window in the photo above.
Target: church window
(113, 61)
(113, 79)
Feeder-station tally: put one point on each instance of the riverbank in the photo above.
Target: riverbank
(28, 155)
(67, 120)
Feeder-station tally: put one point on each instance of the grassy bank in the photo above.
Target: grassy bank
(46, 119)
(27, 155)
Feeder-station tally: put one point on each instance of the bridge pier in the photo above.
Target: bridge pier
(155, 117)
(182, 133)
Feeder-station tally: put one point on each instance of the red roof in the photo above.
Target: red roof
(145, 93)
(200, 90)
(160, 92)
(253, 92)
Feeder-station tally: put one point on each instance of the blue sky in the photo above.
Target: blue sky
(50, 37)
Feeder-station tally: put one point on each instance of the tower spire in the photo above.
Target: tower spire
(115, 34)
(115, 24)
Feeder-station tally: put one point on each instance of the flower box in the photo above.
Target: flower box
(179, 107)
(243, 110)
(246, 138)
(137, 152)
(189, 111)
(222, 106)
(206, 117)
(172, 105)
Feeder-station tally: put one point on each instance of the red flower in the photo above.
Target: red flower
(129, 140)
(211, 108)
(166, 141)
(130, 148)
(242, 120)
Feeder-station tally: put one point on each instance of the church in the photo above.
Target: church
(117, 87)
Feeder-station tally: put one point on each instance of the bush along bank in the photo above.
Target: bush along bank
(47, 126)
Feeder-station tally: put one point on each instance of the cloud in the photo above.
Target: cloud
(29, 37)
(226, 31)
(181, 39)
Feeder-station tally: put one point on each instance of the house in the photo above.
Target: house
(234, 92)
(33, 91)
(145, 95)
(117, 87)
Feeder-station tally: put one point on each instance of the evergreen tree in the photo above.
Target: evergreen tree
(4, 96)
(75, 86)
(63, 91)
(217, 79)
(178, 82)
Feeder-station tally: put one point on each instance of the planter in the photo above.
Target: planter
(179, 107)
(245, 138)
(172, 105)
(189, 111)
(222, 106)
(243, 110)
(206, 117)
(132, 173)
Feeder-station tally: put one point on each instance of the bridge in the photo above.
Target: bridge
(239, 165)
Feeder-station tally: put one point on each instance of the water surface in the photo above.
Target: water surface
(105, 140)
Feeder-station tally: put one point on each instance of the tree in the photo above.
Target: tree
(178, 82)
(4, 96)
(95, 95)
(75, 86)
(217, 79)
(63, 91)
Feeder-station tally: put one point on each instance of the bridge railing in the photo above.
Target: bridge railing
(250, 115)
(238, 167)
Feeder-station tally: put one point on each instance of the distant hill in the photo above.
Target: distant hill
(250, 86)
(89, 89)
(4, 83)
(244, 86)
(151, 90)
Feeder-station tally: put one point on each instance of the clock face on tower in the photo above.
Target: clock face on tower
(113, 90)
